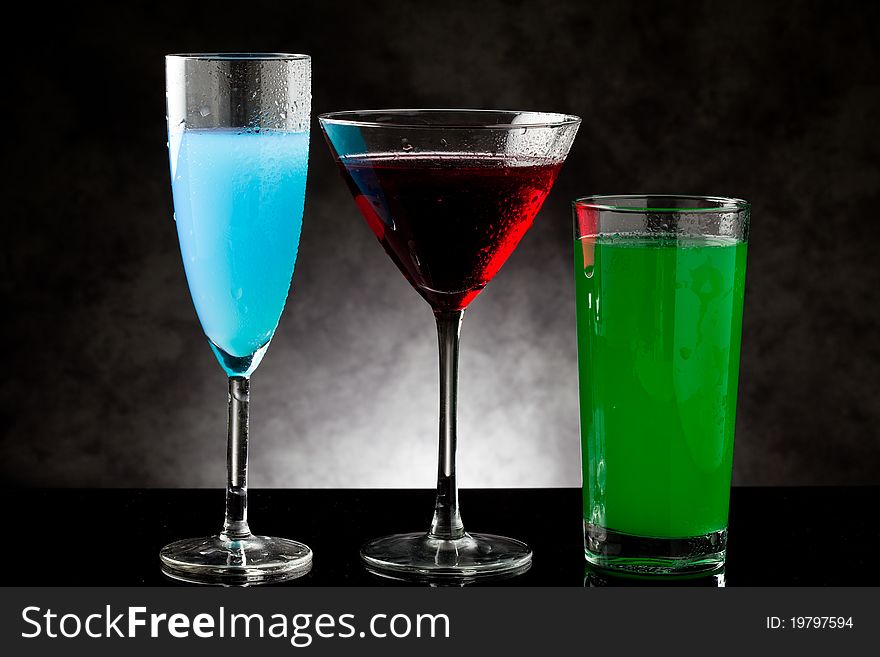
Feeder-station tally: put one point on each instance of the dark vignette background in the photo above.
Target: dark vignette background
(109, 381)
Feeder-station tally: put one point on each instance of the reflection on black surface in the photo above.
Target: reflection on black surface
(441, 581)
(595, 577)
(145, 520)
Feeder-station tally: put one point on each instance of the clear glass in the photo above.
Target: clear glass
(448, 194)
(238, 136)
(659, 284)
(601, 578)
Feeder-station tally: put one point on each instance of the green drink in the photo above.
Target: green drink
(659, 317)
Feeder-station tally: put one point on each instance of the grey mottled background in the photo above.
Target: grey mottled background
(109, 382)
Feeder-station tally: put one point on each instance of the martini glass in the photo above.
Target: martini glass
(449, 194)
(238, 139)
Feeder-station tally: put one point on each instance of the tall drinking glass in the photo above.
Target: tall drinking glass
(448, 194)
(238, 139)
(659, 283)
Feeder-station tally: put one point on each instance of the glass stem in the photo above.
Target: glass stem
(447, 519)
(235, 526)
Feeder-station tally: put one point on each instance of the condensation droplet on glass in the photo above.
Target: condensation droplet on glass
(405, 144)
(237, 293)
(443, 142)
(204, 110)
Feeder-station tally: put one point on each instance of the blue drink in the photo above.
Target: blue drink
(238, 200)
(238, 141)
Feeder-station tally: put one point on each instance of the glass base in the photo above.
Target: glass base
(596, 577)
(645, 555)
(243, 562)
(421, 557)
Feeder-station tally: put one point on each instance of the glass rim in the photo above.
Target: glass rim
(346, 117)
(238, 56)
(611, 203)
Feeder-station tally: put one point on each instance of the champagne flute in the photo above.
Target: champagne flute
(238, 138)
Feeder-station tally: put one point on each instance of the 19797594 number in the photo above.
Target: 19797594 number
(809, 623)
